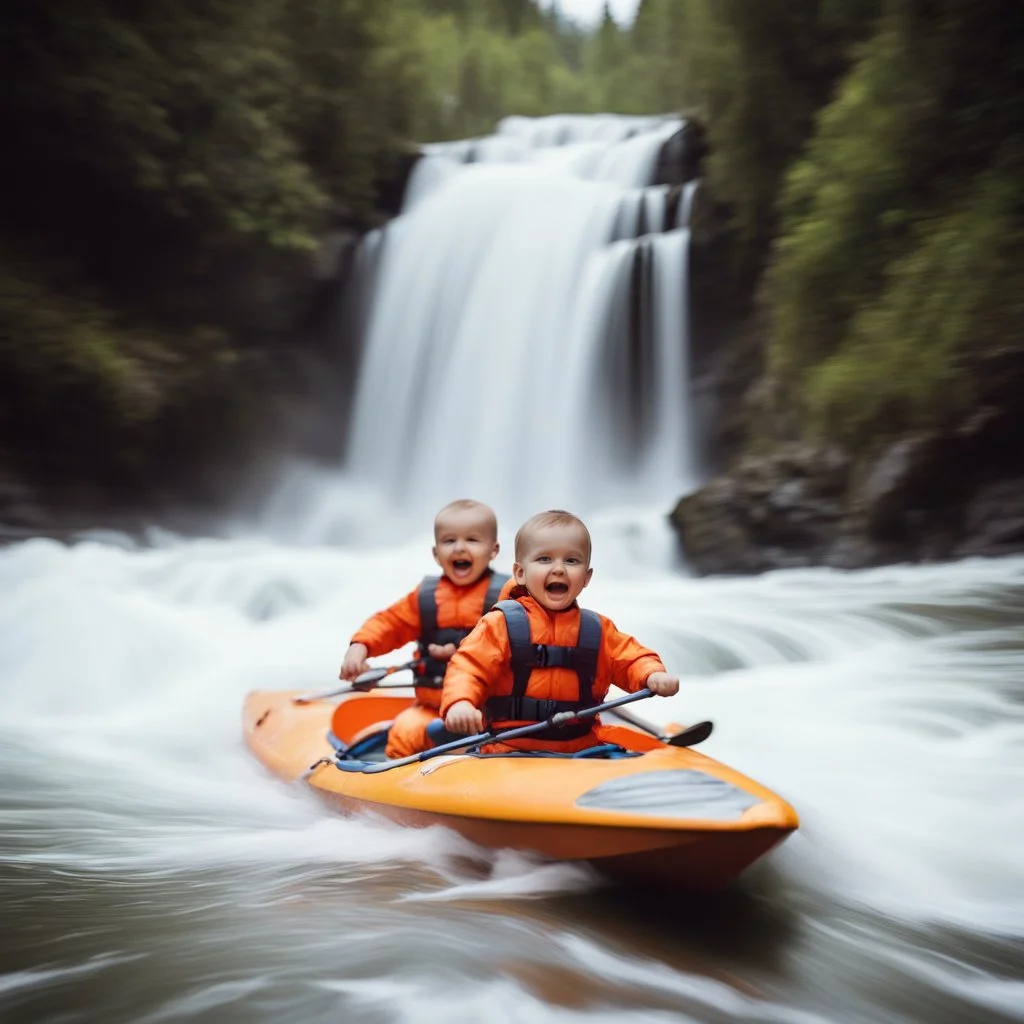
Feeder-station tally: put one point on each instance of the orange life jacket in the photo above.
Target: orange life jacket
(526, 656)
(431, 671)
(482, 669)
(446, 609)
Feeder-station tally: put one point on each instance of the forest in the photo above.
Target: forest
(175, 169)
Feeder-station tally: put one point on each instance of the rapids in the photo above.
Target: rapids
(151, 870)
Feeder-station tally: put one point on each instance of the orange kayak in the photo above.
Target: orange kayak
(640, 811)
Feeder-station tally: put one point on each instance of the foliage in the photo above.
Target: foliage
(958, 287)
(458, 75)
(86, 396)
(755, 73)
(892, 130)
(175, 165)
(902, 240)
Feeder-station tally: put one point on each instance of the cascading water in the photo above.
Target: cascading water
(151, 871)
(527, 342)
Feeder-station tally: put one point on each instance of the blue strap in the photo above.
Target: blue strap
(604, 750)
(517, 623)
(432, 671)
(426, 598)
(498, 580)
(588, 647)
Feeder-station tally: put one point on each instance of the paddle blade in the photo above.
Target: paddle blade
(692, 735)
(368, 679)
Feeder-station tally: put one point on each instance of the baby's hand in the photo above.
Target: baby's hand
(354, 663)
(663, 684)
(442, 652)
(463, 717)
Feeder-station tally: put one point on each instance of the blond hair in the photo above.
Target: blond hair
(542, 520)
(469, 505)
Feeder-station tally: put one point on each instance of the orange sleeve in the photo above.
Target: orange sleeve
(394, 627)
(623, 662)
(477, 664)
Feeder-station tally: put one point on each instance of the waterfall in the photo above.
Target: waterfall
(525, 330)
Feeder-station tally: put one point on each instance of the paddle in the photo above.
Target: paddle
(367, 681)
(563, 718)
(688, 737)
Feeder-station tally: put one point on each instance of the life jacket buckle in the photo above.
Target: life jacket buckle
(540, 655)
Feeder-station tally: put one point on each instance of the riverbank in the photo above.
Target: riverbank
(922, 499)
(776, 498)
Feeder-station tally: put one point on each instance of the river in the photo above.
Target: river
(151, 870)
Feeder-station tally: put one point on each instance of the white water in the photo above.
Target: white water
(150, 870)
(885, 705)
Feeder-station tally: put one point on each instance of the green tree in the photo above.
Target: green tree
(902, 246)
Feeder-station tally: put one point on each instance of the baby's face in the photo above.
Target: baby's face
(555, 565)
(464, 544)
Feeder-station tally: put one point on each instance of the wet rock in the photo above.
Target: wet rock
(782, 510)
(22, 512)
(994, 519)
(333, 260)
(727, 337)
(681, 155)
(390, 187)
(905, 489)
(921, 499)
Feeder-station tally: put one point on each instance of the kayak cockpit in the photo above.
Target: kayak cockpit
(367, 749)
(358, 735)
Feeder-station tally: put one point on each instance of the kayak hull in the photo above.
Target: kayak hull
(563, 809)
(695, 861)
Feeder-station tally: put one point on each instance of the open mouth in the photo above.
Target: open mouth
(557, 589)
(461, 564)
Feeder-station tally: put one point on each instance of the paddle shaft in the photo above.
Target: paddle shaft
(639, 723)
(563, 718)
(361, 683)
(688, 737)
